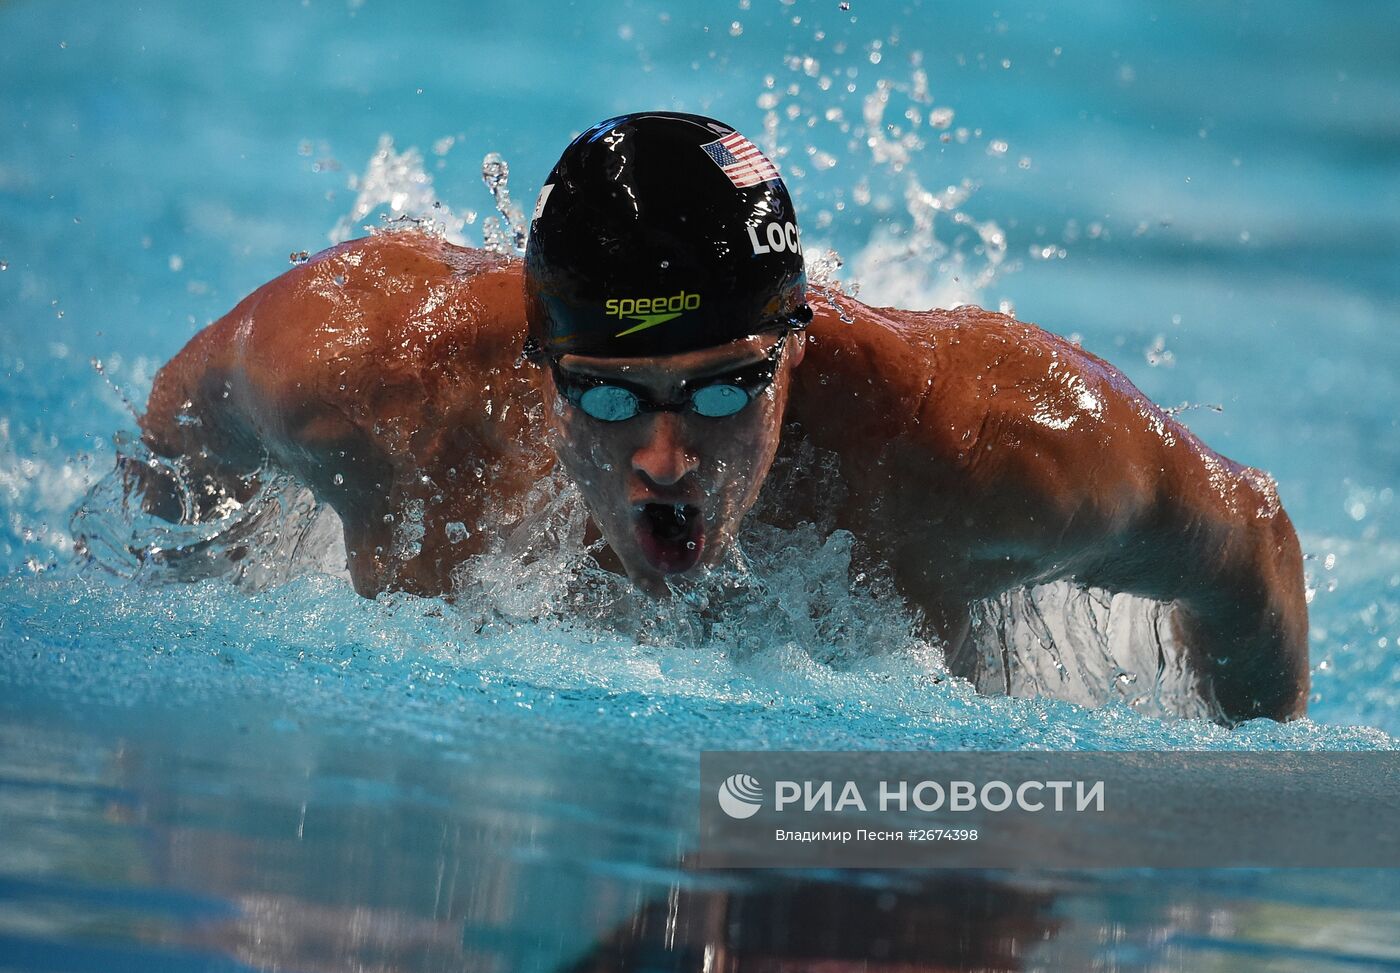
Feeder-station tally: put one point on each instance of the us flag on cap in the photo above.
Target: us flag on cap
(740, 160)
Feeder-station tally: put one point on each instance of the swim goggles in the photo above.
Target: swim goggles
(714, 396)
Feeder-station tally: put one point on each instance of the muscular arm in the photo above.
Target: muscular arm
(368, 374)
(1225, 551)
(1166, 517)
(1014, 458)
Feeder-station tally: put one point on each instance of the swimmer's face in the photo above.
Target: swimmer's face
(669, 488)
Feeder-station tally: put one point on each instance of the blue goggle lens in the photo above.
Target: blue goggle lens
(610, 403)
(717, 401)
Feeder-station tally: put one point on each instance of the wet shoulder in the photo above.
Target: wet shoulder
(394, 329)
(946, 378)
(886, 368)
(405, 299)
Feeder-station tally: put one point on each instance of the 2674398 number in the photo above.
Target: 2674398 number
(943, 834)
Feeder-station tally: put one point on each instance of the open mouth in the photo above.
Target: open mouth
(670, 536)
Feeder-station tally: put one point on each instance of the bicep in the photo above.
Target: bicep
(1128, 499)
(241, 395)
(1086, 479)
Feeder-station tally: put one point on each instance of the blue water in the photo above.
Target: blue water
(210, 776)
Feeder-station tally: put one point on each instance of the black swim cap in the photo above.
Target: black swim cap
(658, 233)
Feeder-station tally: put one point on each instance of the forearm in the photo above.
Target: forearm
(1242, 616)
(1212, 540)
(191, 419)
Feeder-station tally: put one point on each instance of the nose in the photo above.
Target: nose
(663, 459)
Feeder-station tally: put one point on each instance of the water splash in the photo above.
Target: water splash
(101, 368)
(1184, 407)
(37, 489)
(822, 266)
(398, 184)
(799, 597)
(278, 533)
(399, 187)
(933, 253)
(505, 232)
(1084, 645)
(783, 641)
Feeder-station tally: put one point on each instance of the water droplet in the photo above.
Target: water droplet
(338, 479)
(1157, 353)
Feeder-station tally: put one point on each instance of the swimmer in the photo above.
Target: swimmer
(657, 342)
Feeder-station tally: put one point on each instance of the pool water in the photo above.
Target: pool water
(269, 772)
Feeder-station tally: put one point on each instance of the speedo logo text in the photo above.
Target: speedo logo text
(648, 312)
(626, 307)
